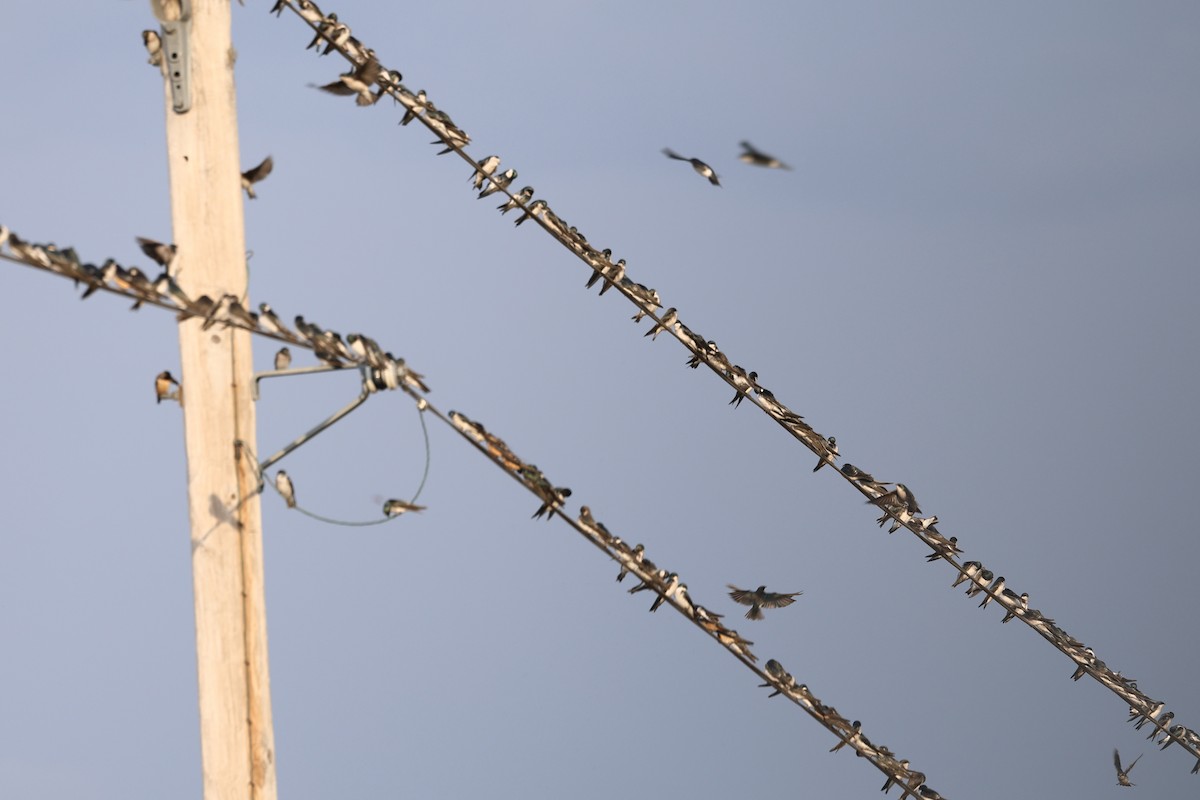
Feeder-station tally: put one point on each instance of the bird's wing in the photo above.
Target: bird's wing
(337, 87)
(669, 153)
(1130, 767)
(778, 600)
(256, 174)
(742, 596)
(1116, 759)
(369, 71)
(752, 150)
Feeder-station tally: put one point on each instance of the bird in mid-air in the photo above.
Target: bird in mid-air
(698, 165)
(755, 157)
(1123, 774)
(284, 484)
(394, 508)
(256, 174)
(357, 81)
(760, 598)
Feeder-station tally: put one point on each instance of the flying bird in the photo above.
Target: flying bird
(357, 81)
(701, 168)
(760, 598)
(284, 485)
(1123, 774)
(755, 157)
(161, 253)
(256, 174)
(165, 387)
(394, 508)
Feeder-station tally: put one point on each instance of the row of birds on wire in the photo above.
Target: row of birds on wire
(897, 503)
(386, 370)
(669, 588)
(632, 559)
(163, 291)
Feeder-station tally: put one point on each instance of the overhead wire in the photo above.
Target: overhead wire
(704, 351)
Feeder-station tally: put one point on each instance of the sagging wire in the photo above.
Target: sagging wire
(745, 384)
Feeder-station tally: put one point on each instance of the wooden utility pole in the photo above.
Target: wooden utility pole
(237, 739)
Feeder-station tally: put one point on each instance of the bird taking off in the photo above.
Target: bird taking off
(698, 165)
(760, 598)
(256, 174)
(1123, 774)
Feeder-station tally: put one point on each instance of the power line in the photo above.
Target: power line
(336, 34)
(667, 586)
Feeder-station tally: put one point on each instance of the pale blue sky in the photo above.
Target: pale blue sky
(981, 278)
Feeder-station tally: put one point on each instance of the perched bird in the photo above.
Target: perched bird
(639, 555)
(1123, 774)
(498, 182)
(901, 496)
(830, 455)
(522, 197)
(256, 174)
(357, 81)
(163, 254)
(153, 44)
(484, 169)
(701, 168)
(283, 359)
(165, 387)
(995, 589)
(854, 736)
(284, 485)
(666, 321)
(978, 582)
(758, 158)
(394, 508)
(760, 598)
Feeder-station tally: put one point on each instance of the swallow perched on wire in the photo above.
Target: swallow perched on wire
(760, 598)
(830, 455)
(498, 182)
(484, 168)
(701, 168)
(755, 157)
(394, 508)
(165, 387)
(256, 174)
(1123, 774)
(522, 197)
(666, 321)
(283, 484)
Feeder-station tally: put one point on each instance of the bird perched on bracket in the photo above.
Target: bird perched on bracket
(760, 598)
(701, 168)
(165, 387)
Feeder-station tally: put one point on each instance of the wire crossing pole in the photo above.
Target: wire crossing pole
(237, 739)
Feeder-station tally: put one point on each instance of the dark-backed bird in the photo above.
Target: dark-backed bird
(701, 168)
(755, 157)
(357, 82)
(284, 485)
(760, 598)
(165, 387)
(394, 508)
(163, 254)
(1123, 774)
(256, 174)
(283, 359)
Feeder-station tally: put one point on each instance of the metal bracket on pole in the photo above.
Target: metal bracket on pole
(176, 19)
